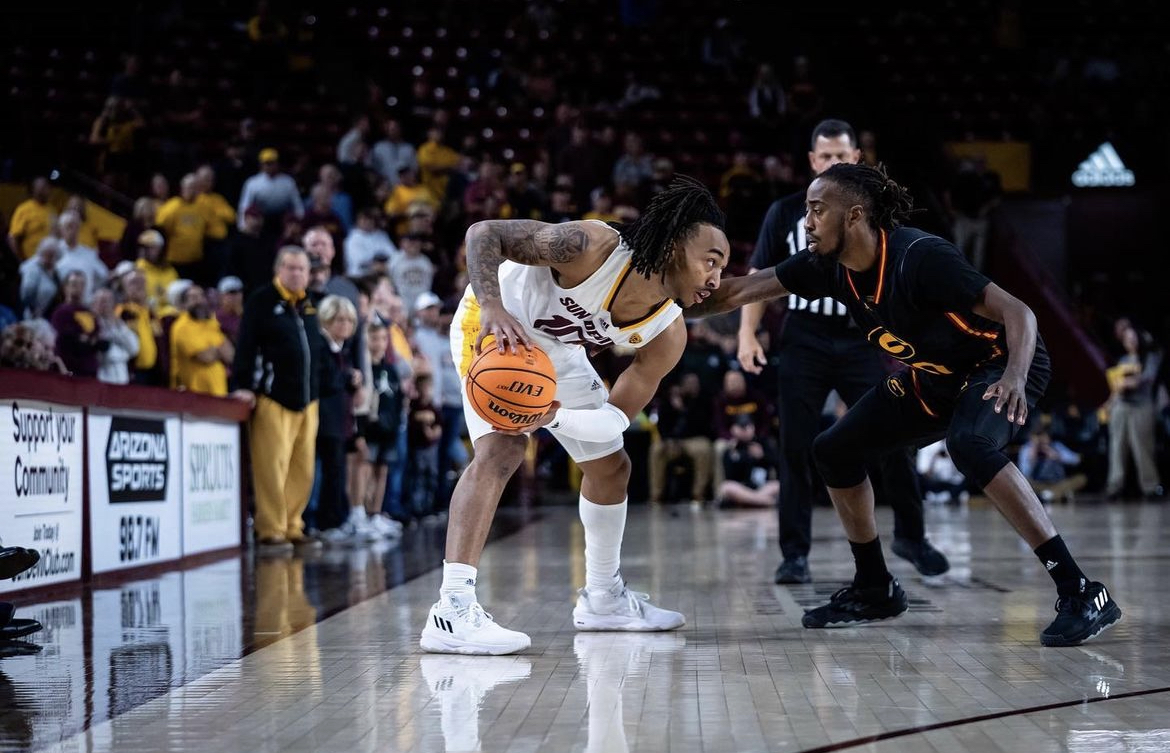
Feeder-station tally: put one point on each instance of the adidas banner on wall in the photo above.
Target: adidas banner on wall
(1103, 168)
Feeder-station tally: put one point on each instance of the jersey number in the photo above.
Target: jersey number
(904, 351)
(569, 331)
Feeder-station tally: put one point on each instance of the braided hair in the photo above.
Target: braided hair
(673, 215)
(886, 203)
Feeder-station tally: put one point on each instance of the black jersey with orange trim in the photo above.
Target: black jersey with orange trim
(915, 304)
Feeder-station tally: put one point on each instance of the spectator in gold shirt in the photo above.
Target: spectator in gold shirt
(436, 162)
(220, 217)
(185, 223)
(88, 234)
(199, 350)
(403, 196)
(153, 264)
(32, 221)
(135, 311)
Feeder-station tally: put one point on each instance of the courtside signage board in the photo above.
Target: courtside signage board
(135, 490)
(41, 461)
(211, 485)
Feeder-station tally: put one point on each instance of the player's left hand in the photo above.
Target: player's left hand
(1009, 392)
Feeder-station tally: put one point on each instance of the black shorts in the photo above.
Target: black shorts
(381, 451)
(912, 409)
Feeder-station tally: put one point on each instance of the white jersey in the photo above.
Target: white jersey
(563, 321)
(567, 323)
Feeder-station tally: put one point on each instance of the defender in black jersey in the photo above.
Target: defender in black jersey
(975, 367)
(821, 349)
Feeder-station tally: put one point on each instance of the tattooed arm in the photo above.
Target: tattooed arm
(491, 242)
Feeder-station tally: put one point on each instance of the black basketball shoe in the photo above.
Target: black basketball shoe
(922, 554)
(853, 605)
(793, 570)
(1080, 617)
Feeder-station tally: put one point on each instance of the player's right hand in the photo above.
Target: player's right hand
(495, 321)
(751, 354)
(546, 419)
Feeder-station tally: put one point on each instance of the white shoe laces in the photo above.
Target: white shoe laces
(634, 600)
(475, 614)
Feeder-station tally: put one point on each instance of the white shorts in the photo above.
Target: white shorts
(578, 384)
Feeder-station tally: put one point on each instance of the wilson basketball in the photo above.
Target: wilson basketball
(511, 391)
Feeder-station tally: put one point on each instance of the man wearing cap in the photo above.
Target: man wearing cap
(231, 306)
(272, 191)
(155, 268)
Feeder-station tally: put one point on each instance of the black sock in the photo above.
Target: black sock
(871, 565)
(1061, 566)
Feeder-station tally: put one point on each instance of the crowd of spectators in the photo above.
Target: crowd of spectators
(381, 219)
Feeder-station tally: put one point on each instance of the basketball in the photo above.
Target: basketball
(511, 391)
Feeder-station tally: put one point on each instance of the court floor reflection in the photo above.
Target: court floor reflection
(107, 650)
(962, 670)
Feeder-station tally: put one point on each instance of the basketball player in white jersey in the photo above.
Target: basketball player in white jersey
(570, 288)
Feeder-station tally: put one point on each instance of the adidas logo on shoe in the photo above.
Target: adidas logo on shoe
(1081, 616)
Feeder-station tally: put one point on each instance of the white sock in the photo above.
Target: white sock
(458, 582)
(604, 527)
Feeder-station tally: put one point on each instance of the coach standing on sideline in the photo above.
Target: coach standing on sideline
(275, 369)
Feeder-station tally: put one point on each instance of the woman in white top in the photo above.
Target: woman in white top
(113, 361)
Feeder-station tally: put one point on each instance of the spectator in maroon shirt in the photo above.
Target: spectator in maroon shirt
(78, 341)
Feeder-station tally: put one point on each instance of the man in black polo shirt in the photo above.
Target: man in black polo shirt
(821, 350)
(276, 369)
(975, 366)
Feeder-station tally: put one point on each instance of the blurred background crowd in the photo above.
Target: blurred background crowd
(156, 161)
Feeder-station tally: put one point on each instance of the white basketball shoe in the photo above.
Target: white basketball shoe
(619, 608)
(455, 626)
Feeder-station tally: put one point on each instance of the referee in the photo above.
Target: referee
(820, 349)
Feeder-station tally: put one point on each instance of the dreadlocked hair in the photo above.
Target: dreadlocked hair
(673, 215)
(886, 203)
